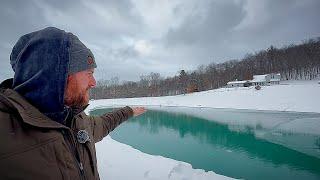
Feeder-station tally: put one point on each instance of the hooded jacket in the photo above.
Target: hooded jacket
(35, 144)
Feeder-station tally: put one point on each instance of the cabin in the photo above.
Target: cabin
(261, 80)
(192, 88)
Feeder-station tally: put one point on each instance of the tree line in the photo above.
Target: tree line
(294, 62)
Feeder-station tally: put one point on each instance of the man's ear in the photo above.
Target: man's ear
(70, 77)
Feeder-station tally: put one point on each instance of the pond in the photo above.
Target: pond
(236, 143)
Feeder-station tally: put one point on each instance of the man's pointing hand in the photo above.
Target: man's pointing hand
(138, 111)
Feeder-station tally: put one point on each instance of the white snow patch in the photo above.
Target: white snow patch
(121, 162)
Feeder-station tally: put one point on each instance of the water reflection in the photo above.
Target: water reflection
(221, 135)
(232, 150)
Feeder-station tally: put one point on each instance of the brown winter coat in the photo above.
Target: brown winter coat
(36, 147)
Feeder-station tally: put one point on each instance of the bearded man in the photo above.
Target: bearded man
(44, 132)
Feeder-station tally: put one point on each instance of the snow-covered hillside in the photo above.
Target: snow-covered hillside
(301, 96)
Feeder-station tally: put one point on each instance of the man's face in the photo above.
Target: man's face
(78, 85)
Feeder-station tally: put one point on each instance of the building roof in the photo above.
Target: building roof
(237, 82)
(259, 78)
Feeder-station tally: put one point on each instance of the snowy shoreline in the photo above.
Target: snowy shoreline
(121, 162)
(299, 96)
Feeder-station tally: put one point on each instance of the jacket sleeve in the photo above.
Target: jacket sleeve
(103, 125)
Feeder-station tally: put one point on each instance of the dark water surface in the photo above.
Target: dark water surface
(217, 145)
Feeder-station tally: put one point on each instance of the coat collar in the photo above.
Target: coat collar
(29, 114)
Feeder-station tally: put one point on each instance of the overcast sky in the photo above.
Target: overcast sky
(134, 37)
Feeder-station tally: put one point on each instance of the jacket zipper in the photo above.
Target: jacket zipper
(74, 152)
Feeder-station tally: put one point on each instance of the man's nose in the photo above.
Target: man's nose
(93, 82)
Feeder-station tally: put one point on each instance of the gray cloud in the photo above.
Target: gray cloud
(209, 23)
(130, 37)
(230, 30)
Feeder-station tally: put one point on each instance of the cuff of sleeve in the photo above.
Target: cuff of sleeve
(129, 110)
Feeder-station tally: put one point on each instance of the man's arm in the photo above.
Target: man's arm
(103, 125)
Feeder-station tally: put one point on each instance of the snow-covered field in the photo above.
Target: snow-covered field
(301, 96)
(124, 162)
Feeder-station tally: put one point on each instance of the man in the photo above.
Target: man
(44, 133)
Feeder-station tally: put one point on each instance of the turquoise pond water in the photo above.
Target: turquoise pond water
(234, 143)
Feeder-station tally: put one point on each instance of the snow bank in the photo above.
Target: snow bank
(301, 96)
(119, 161)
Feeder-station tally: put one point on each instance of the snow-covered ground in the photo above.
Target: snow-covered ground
(119, 161)
(124, 162)
(301, 96)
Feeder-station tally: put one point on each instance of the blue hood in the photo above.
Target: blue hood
(40, 61)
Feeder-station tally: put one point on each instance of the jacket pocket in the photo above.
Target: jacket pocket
(26, 149)
(33, 162)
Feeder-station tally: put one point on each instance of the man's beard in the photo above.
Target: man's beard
(74, 97)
